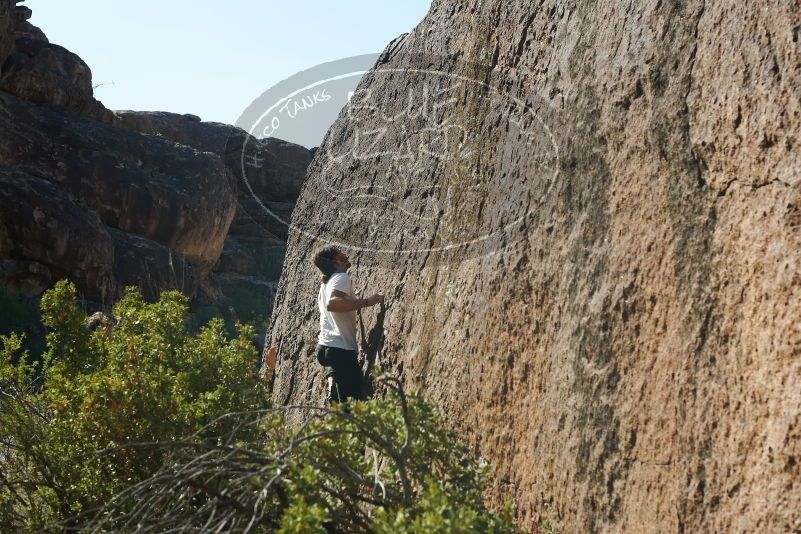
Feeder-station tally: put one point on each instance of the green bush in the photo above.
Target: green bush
(142, 379)
(140, 425)
(381, 466)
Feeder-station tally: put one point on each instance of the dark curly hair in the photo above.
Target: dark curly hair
(324, 260)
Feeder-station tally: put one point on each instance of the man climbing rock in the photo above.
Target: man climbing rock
(337, 348)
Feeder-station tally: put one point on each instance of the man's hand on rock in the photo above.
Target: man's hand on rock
(372, 300)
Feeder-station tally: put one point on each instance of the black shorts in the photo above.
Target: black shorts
(344, 367)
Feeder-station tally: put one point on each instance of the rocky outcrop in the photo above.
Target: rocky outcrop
(105, 207)
(46, 235)
(46, 73)
(585, 216)
(170, 194)
(146, 199)
(267, 176)
(270, 169)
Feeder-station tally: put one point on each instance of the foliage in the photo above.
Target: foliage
(140, 425)
(143, 379)
(381, 466)
(544, 526)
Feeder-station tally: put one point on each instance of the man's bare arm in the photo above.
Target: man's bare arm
(341, 302)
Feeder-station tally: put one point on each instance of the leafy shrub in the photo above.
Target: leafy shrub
(143, 379)
(140, 425)
(381, 466)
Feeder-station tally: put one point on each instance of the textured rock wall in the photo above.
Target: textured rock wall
(151, 199)
(45, 235)
(168, 193)
(241, 285)
(615, 325)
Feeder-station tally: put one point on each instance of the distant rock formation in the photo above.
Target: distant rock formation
(242, 283)
(281, 168)
(155, 200)
(45, 73)
(586, 217)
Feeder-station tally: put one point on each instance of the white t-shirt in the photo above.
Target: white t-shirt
(337, 329)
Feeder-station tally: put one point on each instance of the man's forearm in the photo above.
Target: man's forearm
(346, 305)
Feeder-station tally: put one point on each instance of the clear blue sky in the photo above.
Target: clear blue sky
(212, 58)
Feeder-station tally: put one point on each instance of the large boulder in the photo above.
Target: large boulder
(267, 176)
(168, 193)
(49, 74)
(585, 216)
(151, 267)
(46, 234)
(269, 169)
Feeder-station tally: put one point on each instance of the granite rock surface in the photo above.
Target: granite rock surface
(586, 217)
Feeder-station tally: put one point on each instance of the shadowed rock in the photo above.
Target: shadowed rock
(150, 187)
(23, 28)
(267, 176)
(273, 169)
(49, 74)
(151, 267)
(45, 235)
(26, 29)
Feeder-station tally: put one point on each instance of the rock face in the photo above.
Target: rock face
(169, 196)
(589, 233)
(267, 176)
(46, 235)
(145, 199)
(280, 166)
(167, 193)
(49, 74)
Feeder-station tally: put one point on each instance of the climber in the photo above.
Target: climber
(337, 348)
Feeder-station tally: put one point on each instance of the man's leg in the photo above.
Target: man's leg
(349, 375)
(344, 371)
(324, 358)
